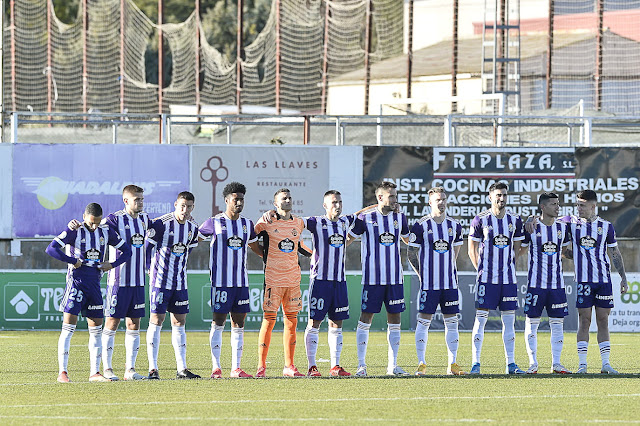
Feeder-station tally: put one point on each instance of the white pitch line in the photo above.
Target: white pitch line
(255, 401)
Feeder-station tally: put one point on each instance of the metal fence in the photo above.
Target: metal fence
(450, 130)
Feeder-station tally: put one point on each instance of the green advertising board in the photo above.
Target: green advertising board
(31, 300)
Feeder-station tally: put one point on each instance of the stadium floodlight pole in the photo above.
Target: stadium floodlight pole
(454, 59)
(49, 69)
(550, 51)
(599, 42)
(409, 51)
(121, 56)
(160, 70)
(85, 77)
(239, 54)
(197, 64)
(1, 72)
(367, 50)
(12, 29)
(278, 53)
(325, 57)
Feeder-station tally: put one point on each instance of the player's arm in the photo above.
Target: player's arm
(153, 237)
(356, 230)
(303, 249)
(412, 256)
(530, 223)
(122, 247)
(616, 259)
(473, 252)
(54, 249)
(256, 248)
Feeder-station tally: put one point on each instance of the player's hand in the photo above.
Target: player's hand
(74, 224)
(624, 286)
(269, 216)
(530, 223)
(77, 264)
(105, 266)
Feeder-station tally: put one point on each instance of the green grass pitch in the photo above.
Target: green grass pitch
(30, 395)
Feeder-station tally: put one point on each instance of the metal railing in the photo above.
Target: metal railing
(450, 130)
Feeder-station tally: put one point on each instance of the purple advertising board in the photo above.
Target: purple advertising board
(53, 183)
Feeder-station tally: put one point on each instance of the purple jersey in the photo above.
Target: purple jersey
(329, 248)
(380, 248)
(132, 231)
(496, 237)
(228, 249)
(590, 243)
(545, 254)
(172, 241)
(436, 242)
(90, 247)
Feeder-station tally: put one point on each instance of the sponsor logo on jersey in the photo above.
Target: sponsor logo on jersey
(441, 246)
(286, 245)
(501, 241)
(587, 243)
(92, 254)
(178, 249)
(234, 242)
(550, 248)
(336, 240)
(137, 240)
(387, 239)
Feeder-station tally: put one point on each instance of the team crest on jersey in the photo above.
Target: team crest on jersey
(244, 228)
(395, 224)
(599, 230)
(101, 241)
(510, 227)
(559, 234)
(450, 231)
(189, 235)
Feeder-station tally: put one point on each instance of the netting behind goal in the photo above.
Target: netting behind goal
(86, 72)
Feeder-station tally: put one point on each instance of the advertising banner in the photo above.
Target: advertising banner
(31, 301)
(53, 183)
(304, 170)
(467, 173)
(6, 152)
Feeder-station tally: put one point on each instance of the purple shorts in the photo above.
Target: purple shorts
(497, 296)
(82, 298)
(594, 294)
(328, 298)
(553, 300)
(125, 302)
(374, 295)
(430, 299)
(174, 301)
(229, 299)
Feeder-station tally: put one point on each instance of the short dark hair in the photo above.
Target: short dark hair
(385, 185)
(186, 195)
(93, 209)
(332, 192)
(587, 195)
(233, 188)
(545, 196)
(131, 189)
(279, 191)
(436, 190)
(498, 185)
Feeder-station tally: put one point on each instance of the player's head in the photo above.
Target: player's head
(437, 200)
(386, 196)
(233, 194)
(184, 206)
(332, 203)
(549, 203)
(586, 202)
(498, 195)
(92, 216)
(282, 200)
(133, 198)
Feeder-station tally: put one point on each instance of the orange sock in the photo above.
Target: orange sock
(264, 339)
(289, 338)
